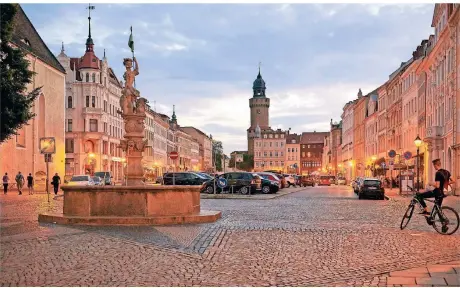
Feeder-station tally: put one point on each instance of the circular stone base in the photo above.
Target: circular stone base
(203, 216)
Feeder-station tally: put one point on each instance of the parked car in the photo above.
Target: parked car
(272, 177)
(307, 181)
(97, 181)
(325, 180)
(371, 187)
(290, 179)
(81, 180)
(282, 179)
(204, 175)
(183, 178)
(241, 182)
(341, 181)
(159, 180)
(268, 186)
(106, 177)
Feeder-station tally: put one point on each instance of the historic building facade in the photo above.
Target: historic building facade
(93, 123)
(347, 139)
(311, 151)
(21, 152)
(205, 147)
(292, 163)
(359, 115)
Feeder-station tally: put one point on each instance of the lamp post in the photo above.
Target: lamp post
(418, 143)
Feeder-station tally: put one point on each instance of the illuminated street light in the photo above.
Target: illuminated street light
(91, 155)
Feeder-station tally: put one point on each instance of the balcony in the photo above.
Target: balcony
(434, 132)
(92, 110)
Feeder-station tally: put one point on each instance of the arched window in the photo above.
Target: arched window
(87, 77)
(93, 77)
(69, 102)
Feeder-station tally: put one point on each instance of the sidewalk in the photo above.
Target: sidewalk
(446, 274)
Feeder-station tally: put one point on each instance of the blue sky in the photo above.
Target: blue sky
(204, 57)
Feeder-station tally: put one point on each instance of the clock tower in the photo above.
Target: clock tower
(259, 106)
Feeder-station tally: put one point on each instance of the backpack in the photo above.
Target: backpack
(19, 177)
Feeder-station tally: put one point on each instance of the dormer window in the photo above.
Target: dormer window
(293, 141)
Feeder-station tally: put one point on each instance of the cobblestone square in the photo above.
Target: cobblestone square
(322, 236)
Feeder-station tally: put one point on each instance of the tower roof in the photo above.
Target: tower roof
(89, 60)
(173, 117)
(259, 83)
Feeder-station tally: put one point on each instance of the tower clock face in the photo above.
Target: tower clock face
(258, 111)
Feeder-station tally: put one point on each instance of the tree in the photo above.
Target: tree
(15, 102)
(218, 152)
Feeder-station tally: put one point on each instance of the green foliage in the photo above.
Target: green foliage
(15, 102)
(218, 152)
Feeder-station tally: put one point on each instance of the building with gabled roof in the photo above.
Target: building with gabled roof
(21, 152)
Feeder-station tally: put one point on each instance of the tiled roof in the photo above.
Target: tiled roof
(197, 130)
(113, 78)
(291, 137)
(26, 37)
(313, 137)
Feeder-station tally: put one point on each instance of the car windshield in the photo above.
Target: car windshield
(262, 175)
(96, 179)
(79, 178)
(372, 182)
(205, 176)
(100, 174)
(199, 175)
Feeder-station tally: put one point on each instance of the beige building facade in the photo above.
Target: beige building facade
(21, 152)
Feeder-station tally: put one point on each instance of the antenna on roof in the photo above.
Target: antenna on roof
(155, 106)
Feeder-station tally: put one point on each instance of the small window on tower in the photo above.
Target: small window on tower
(258, 111)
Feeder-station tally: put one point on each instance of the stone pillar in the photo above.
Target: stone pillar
(134, 127)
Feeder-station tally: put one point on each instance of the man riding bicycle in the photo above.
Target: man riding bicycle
(442, 180)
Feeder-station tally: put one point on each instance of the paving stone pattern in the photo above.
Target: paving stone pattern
(322, 236)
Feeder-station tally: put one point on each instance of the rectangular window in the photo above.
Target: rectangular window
(93, 102)
(69, 145)
(92, 125)
(87, 101)
(105, 105)
(69, 125)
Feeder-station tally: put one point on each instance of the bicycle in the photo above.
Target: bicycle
(438, 218)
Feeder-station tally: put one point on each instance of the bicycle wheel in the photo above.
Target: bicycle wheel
(446, 221)
(407, 216)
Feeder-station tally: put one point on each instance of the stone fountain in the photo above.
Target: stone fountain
(135, 203)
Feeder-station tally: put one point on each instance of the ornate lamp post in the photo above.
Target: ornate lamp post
(418, 143)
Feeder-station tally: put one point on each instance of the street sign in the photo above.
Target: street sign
(407, 155)
(392, 153)
(173, 155)
(222, 182)
(47, 145)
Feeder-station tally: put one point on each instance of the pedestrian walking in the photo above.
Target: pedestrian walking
(30, 184)
(56, 181)
(5, 179)
(19, 182)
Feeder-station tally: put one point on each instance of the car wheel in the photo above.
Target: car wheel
(244, 190)
(210, 190)
(266, 189)
(360, 196)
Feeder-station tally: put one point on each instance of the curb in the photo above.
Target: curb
(247, 197)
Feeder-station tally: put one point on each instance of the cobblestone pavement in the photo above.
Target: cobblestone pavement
(321, 236)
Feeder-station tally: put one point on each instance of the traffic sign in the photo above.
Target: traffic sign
(392, 153)
(222, 182)
(407, 155)
(173, 155)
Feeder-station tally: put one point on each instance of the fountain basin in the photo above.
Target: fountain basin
(131, 205)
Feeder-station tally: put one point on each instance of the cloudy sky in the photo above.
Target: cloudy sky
(204, 58)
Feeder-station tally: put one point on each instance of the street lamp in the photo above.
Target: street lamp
(418, 143)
